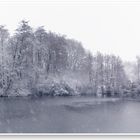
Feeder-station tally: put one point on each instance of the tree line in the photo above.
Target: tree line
(36, 61)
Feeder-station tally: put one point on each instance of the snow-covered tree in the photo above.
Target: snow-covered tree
(4, 36)
(138, 68)
(31, 57)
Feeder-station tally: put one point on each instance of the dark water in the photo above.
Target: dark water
(68, 115)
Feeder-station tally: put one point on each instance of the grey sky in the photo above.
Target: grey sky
(109, 27)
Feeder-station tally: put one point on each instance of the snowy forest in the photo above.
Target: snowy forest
(36, 62)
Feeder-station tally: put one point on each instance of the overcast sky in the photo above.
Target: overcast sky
(109, 27)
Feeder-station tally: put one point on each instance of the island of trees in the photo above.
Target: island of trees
(36, 62)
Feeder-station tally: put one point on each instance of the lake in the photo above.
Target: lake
(77, 114)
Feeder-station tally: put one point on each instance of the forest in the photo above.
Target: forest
(36, 62)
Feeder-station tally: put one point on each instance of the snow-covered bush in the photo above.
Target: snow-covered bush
(54, 89)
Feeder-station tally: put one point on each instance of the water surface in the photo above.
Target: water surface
(69, 115)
